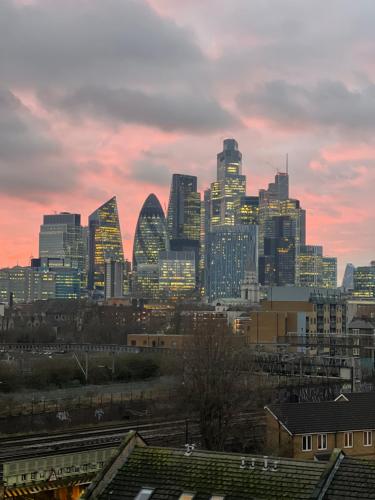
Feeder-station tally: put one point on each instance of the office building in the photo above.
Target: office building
(114, 279)
(330, 272)
(278, 190)
(61, 237)
(364, 281)
(184, 208)
(150, 235)
(247, 210)
(310, 264)
(229, 186)
(277, 265)
(348, 279)
(21, 285)
(104, 243)
(230, 251)
(150, 239)
(177, 274)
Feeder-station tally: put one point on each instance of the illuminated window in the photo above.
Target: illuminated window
(187, 496)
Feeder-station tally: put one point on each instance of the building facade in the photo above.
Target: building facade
(230, 251)
(105, 242)
(177, 274)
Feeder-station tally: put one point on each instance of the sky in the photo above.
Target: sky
(101, 98)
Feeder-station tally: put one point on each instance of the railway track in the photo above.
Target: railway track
(156, 432)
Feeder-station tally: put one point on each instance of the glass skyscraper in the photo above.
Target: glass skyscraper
(310, 265)
(184, 208)
(150, 239)
(61, 237)
(330, 272)
(105, 242)
(230, 251)
(229, 186)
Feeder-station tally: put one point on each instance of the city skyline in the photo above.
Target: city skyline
(128, 249)
(94, 121)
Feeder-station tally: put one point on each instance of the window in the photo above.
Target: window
(367, 438)
(23, 477)
(217, 497)
(187, 496)
(144, 494)
(322, 441)
(348, 440)
(307, 442)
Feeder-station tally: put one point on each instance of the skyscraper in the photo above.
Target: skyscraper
(247, 210)
(330, 272)
(61, 237)
(230, 251)
(104, 242)
(229, 186)
(184, 208)
(184, 216)
(310, 265)
(278, 190)
(150, 239)
(348, 279)
(364, 281)
(277, 265)
(151, 233)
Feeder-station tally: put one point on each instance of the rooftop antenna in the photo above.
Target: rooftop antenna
(287, 163)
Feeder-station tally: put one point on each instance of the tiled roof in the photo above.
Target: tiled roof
(354, 479)
(327, 416)
(171, 473)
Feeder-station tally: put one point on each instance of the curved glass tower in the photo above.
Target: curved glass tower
(151, 236)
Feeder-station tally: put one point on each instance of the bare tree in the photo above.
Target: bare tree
(212, 380)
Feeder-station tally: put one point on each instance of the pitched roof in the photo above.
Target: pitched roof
(327, 416)
(353, 479)
(170, 473)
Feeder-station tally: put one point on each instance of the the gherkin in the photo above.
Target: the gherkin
(151, 233)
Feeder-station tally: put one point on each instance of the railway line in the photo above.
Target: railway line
(171, 432)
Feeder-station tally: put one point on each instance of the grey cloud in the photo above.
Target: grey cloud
(31, 163)
(183, 112)
(145, 170)
(79, 41)
(328, 104)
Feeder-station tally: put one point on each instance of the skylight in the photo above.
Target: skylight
(144, 494)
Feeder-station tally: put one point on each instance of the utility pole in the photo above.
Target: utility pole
(84, 370)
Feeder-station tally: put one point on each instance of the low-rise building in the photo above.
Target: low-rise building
(310, 430)
(141, 472)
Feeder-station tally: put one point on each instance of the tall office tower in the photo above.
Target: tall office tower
(150, 239)
(329, 272)
(177, 274)
(275, 208)
(277, 265)
(230, 251)
(184, 217)
(113, 279)
(104, 243)
(278, 190)
(310, 264)
(247, 210)
(364, 281)
(229, 186)
(61, 237)
(184, 208)
(348, 279)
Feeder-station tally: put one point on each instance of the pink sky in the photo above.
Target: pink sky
(102, 98)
